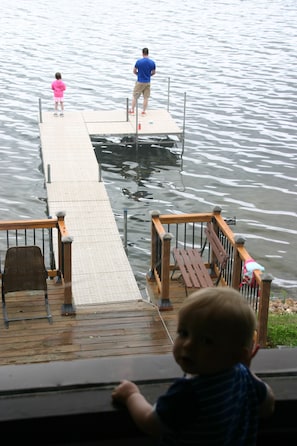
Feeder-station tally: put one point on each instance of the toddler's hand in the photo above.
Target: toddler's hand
(123, 391)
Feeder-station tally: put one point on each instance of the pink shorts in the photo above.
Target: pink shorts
(58, 99)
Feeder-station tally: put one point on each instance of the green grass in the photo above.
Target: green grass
(282, 330)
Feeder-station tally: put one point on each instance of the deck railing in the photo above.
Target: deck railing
(187, 230)
(52, 237)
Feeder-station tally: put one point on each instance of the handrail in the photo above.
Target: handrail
(161, 265)
(28, 224)
(62, 248)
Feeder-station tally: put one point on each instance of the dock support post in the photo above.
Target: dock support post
(125, 229)
(40, 111)
(184, 124)
(136, 123)
(49, 173)
(100, 173)
(127, 109)
(168, 94)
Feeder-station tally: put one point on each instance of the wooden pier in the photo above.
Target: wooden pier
(101, 272)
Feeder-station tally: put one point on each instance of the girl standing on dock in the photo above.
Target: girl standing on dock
(58, 87)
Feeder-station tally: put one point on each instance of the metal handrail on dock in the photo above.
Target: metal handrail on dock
(109, 122)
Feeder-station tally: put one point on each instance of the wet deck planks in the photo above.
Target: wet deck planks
(105, 330)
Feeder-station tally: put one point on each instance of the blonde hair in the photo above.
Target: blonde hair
(224, 313)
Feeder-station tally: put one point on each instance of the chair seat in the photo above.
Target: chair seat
(24, 270)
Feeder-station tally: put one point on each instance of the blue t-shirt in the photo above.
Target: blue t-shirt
(144, 66)
(221, 409)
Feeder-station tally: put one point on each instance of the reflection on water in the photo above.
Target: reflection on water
(236, 61)
(136, 164)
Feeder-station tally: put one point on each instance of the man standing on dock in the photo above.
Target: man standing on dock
(144, 68)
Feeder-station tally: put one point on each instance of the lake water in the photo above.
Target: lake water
(234, 61)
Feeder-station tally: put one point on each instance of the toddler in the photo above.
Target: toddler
(219, 400)
(58, 87)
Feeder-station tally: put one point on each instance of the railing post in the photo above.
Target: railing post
(67, 307)
(164, 303)
(237, 263)
(65, 264)
(59, 253)
(263, 309)
(51, 248)
(61, 216)
(150, 274)
(217, 210)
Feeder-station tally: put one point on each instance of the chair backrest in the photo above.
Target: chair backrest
(24, 269)
(216, 246)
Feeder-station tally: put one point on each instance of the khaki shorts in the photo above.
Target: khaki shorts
(142, 88)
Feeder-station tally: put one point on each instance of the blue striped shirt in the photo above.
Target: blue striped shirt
(220, 409)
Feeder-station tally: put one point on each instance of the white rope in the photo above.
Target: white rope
(162, 320)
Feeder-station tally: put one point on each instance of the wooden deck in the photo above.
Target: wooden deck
(105, 330)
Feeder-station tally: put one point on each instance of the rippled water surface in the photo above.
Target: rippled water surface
(235, 64)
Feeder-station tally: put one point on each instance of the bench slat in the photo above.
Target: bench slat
(180, 257)
(192, 268)
(191, 265)
(200, 271)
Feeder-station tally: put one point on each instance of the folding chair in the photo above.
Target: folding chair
(24, 270)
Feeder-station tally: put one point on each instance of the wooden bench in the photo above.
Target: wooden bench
(192, 267)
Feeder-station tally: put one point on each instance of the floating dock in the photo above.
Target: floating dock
(121, 123)
(101, 272)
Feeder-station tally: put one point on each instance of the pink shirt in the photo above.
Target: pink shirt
(59, 87)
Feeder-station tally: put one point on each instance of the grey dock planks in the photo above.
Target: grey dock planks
(100, 268)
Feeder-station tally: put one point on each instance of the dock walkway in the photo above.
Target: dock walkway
(101, 272)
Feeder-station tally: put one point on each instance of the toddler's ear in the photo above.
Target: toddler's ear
(247, 354)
